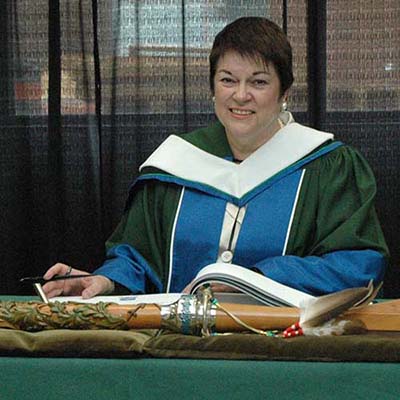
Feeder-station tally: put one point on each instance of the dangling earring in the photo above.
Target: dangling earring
(281, 115)
(213, 99)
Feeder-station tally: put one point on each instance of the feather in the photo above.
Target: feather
(317, 311)
(336, 327)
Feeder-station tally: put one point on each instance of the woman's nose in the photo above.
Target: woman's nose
(242, 93)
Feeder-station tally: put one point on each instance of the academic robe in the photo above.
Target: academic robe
(299, 210)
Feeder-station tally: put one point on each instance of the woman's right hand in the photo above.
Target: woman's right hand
(85, 287)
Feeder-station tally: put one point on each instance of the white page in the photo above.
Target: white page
(159, 298)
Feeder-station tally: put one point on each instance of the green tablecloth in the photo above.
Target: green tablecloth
(135, 365)
(57, 378)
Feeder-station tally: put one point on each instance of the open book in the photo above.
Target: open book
(257, 287)
(253, 288)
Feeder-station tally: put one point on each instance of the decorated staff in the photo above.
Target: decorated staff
(204, 315)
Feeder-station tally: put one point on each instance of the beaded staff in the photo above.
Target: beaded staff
(194, 315)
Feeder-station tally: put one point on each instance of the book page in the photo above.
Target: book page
(252, 283)
(159, 298)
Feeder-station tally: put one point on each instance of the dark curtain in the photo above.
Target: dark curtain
(89, 88)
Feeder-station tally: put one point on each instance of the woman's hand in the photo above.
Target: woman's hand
(85, 287)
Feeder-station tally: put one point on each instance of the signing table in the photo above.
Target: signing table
(148, 365)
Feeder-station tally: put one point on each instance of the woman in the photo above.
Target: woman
(255, 189)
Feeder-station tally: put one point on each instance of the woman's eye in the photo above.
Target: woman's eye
(227, 80)
(260, 82)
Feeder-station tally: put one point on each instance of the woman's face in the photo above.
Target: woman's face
(247, 100)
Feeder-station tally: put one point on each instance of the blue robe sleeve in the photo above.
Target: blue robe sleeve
(128, 267)
(328, 273)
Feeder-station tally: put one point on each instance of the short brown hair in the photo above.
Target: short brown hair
(256, 38)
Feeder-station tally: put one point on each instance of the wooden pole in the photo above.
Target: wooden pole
(35, 316)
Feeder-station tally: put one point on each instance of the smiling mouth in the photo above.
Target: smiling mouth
(240, 112)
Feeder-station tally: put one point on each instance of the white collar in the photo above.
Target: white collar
(180, 158)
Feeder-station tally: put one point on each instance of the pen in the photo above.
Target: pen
(40, 292)
(41, 280)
